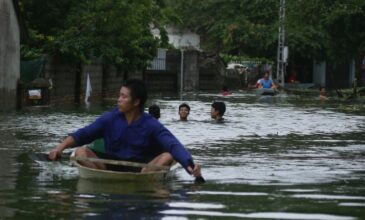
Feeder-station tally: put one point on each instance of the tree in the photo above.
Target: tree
(327, 29)
(116, 30)
(237, 27)
(344, 24)
(331, 30)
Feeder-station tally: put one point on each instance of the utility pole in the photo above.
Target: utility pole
(182, 73)
(280, 68)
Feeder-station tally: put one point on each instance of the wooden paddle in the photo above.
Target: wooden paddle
(199, 179)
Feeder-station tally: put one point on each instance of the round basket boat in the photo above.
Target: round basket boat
(90, 173)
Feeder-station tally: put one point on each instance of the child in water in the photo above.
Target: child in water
(322, 94)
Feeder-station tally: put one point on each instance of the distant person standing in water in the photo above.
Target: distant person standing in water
(322, 94)
(154, 111)
(217, 111)
(184, 111)
(293, 77)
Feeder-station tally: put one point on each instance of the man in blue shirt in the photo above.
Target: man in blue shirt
(129, 134)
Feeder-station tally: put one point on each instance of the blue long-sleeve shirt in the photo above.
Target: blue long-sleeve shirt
(142, 140)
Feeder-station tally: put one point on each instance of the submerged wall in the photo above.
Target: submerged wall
(69, 80)
(9, 56)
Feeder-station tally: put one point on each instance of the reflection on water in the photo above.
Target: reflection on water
(265, 215)
(285, 157)
(152, 189)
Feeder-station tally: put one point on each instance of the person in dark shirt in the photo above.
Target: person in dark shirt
(129, 134)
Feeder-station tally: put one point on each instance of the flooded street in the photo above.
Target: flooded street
(284, 157)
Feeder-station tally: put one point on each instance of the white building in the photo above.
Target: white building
(180, 38)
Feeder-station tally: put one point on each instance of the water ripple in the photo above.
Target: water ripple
(262, 215)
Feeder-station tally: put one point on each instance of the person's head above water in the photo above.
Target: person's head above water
(217, 111)
(154, 111)
(322, 93)
(133, 94)
(322, 90)
(224, 88)
(184, 110)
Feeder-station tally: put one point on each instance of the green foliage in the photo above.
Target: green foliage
(240, 27)
(116, 30)
(119, 30)
(326, 29)
(320, 29)
(30, 53)
(344, 25)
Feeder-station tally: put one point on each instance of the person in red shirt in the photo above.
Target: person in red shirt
(293, 77)
(225, 91)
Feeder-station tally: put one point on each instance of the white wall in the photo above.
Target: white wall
(183, 38)
(180, 38)
(9, 55)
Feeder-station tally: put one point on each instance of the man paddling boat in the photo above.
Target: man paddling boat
(129, 134)
(265, 82)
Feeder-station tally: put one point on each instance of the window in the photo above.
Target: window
(159, 62)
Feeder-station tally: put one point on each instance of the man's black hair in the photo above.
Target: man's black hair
(266, 72)
(184, 105)
(154, 111)
(220, 107)
(138, 90)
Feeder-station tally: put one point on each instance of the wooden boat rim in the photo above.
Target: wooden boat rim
(119, 172)
(119, 162)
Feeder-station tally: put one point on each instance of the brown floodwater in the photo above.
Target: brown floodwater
(282, 157)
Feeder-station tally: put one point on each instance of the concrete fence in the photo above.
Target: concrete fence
(68, 81)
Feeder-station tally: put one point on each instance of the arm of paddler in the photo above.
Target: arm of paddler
(172, 145)
(82, 136)
(93, 131)
(57, 151)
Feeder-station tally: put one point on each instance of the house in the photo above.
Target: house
(176, 69)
